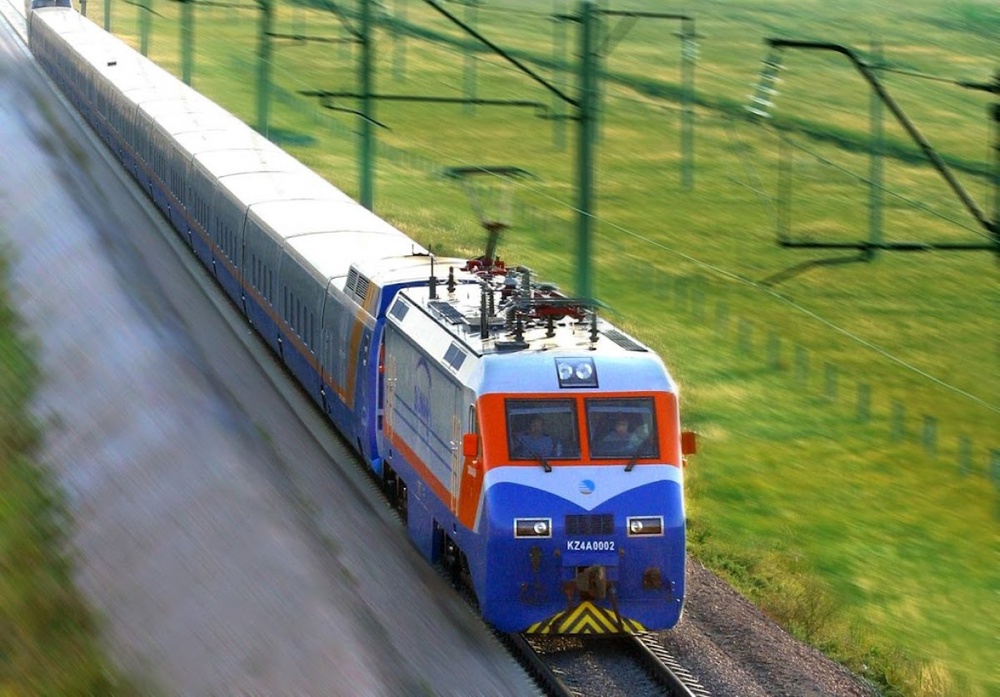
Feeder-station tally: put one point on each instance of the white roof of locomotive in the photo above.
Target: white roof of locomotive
(448, 327)
(458, 313)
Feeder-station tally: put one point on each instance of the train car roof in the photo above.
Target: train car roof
(66, 21)
(323, 253)
(180, 116)
(158, 91)
(414, 266)
(153, 84)
(107, 55)
(265, 158)
(183, 103)
(213, 137)
(254, 188)
(292, 218)
(83, 36)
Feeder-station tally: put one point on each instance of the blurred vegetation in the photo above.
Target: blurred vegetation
(848, 479)
(48, 643)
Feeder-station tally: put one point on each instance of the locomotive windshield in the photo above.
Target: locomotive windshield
(542, 429)
(622, 428)
(617, 428)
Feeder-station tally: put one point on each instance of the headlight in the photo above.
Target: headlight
(645, 525)
(576, 372)
(532, 527)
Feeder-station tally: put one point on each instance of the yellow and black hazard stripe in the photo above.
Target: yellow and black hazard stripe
(586, 618)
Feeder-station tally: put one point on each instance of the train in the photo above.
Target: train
(533, 449)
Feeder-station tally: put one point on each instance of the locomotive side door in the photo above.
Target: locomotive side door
(455, 479)
(389, 407)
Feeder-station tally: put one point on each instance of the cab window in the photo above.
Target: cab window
(542, 429)
(622, 428)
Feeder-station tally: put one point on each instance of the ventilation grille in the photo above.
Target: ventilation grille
(624, 341)
(362, 289)
(591, 524)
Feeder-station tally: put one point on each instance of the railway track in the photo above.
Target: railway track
(634, 665)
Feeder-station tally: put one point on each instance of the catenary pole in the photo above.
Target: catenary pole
(365, 79)
(585, 148)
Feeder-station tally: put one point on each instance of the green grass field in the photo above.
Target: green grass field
(849, 477)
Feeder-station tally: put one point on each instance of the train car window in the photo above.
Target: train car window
(622, 428)
(542, 428)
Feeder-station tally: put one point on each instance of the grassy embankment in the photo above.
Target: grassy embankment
(848, 414)
(47, 634)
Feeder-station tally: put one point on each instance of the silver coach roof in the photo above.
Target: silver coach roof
(259, 187)
(88, 39)
(223, 163)
(291, 218)
(324, 252)
(175, 119)
(217, 137)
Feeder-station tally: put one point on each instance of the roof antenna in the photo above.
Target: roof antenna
(433, 281)
(484, 313)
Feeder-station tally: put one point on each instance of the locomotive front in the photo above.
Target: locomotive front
(582, 516)
(537, 452)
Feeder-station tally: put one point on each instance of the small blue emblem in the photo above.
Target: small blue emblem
(587, 487)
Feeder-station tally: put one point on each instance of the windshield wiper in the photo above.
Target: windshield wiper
(541, 460)
(635, 454)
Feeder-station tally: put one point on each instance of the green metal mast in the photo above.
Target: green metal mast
(145, 11)
(875, 168)
(589, 63)
(689, 58)
(471, 7)
(365, 79)
(558, 59)
(264, 66)
(187, 40)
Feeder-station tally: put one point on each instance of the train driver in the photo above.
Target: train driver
(620, 435)
(535, 442)
(621, 440)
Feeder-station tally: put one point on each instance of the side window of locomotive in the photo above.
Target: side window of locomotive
(542, 428)
(622, 428)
